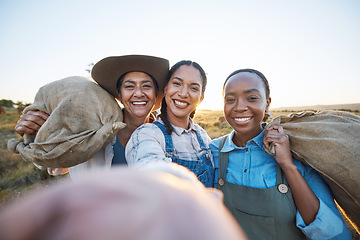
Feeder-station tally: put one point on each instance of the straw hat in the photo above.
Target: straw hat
(107, 72)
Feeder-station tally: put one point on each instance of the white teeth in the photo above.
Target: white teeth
(181, 103)
(138, 103)
(242, 119)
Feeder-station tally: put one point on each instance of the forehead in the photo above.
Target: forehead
(188, 73)
(136, 76)
(244, 81)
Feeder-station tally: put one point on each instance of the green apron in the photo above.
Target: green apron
(263, 213)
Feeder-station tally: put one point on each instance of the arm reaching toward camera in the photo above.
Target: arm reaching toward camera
(153, 204)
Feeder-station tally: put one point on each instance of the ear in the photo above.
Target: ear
(268, 104)
(202, 97)
(165, 90)
(120, 97)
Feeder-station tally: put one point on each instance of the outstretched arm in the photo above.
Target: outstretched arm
(146, 145)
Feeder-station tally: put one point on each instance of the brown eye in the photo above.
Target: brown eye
(253, 98)
(230, 100)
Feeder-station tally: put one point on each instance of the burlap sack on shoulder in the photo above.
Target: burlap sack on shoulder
(329, 142)
(83, 118)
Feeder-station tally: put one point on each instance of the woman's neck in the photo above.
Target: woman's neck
(133, 122)
(179, 122)
(240, 139)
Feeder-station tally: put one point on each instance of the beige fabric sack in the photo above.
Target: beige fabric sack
(329, 142)
(83, 119)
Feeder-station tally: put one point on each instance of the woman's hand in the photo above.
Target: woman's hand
(306, 201)
(277, 136)
(30, 122)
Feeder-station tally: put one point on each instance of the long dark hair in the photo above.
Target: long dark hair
(173, 69)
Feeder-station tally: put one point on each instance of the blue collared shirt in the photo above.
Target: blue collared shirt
(252, 166)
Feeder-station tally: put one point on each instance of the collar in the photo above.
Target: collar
(178, 130)
(230, 145)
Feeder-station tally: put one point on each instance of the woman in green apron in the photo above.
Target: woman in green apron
(272, 197)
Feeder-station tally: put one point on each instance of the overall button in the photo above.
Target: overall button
(221, 182)
(283, 188)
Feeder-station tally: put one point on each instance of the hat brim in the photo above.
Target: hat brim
(107, 72)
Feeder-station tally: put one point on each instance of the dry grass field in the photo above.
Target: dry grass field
(17, 176)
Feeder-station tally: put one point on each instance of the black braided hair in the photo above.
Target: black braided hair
(176, 66)
(164, 117)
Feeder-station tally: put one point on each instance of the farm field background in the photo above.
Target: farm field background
(17, 177)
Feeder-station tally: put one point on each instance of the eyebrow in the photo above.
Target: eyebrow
(252, 90)
(180, 79)
(142, 81)
(246, 91)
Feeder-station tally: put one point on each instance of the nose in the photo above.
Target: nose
(138, 92)
(241, 106)
(183, 92)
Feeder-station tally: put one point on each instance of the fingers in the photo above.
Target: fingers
(277, 128)
(30, 122)
(21, 129)
(275, 134)
(35, 116)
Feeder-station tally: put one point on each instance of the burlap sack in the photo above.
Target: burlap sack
(329, 142)
(83, 118)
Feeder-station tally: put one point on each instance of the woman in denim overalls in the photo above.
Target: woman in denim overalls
(174, 137)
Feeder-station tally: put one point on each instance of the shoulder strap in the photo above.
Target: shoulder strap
(169, 146)
(200, 140)
(223, 158)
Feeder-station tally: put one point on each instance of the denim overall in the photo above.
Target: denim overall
(268, 213)
(202, 167)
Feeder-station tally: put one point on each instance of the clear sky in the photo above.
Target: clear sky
(309, 50)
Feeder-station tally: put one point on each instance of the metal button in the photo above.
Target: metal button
(283, 188)
(245, 170)
(221, 182)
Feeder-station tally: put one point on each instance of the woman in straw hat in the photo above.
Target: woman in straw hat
(137, 81)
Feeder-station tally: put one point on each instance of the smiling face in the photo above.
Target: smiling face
(183, 94)
(137, 94)
(245, 104)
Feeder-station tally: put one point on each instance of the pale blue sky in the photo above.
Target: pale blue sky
(309, 50)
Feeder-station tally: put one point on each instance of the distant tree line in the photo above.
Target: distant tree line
(10, 103)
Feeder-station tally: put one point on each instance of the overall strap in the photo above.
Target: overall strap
(200, 140)
(169, 146)
(281, 182)
(279, 175)
(223, 159)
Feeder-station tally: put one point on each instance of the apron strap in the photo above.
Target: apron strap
(223, 161)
